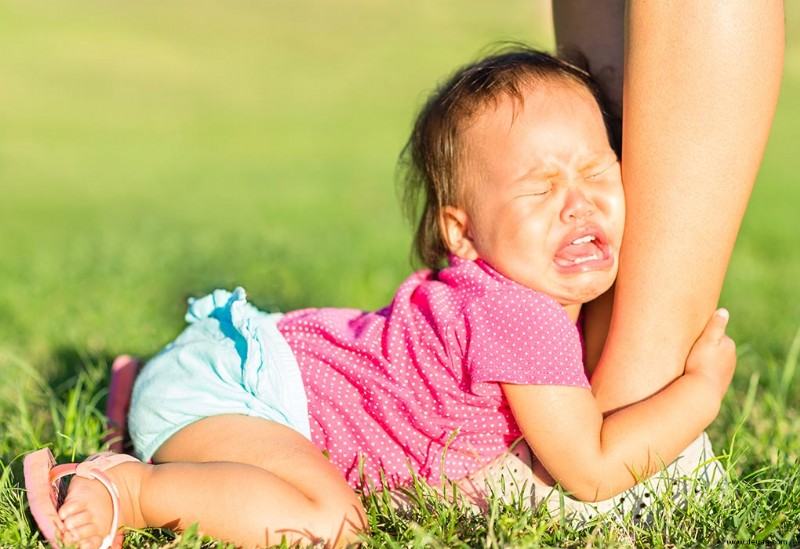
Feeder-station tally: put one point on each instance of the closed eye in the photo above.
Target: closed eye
(539, 190)
(597, 174)
(543, 191)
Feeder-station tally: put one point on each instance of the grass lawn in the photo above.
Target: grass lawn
(151, 151)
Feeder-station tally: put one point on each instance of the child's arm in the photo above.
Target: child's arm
(596, 458)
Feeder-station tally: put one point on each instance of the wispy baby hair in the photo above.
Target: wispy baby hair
(432, 158)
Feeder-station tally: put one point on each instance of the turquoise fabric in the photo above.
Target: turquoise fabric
(231, 359)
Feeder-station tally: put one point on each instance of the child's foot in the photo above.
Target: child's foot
(88, 514)
(102, 496)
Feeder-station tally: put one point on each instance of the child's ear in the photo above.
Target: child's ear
(454, 224)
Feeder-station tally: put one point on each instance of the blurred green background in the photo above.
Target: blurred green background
(150, 151)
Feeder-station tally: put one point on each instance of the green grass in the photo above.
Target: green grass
(150, 151)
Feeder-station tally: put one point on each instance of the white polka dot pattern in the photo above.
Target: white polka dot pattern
(412, 389)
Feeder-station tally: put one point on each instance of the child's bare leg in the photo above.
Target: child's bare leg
(245, 480)
(300, 495)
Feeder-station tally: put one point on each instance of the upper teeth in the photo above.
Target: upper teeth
(583, 239)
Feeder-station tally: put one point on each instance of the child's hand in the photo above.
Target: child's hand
(713, 355)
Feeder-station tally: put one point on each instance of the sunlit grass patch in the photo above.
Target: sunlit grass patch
(153, 151)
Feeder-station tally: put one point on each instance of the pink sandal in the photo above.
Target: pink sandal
(46, 490)
(123, 375)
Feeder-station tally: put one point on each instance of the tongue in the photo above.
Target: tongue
(574, 251)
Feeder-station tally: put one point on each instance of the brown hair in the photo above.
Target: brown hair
(431, 158)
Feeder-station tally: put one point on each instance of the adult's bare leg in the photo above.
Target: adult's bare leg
(590, 33)
(701, 81)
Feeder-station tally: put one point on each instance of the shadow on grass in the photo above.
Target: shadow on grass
(69, 363)
(58, 405)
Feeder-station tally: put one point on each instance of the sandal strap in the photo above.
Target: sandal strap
(94, 468)
(102, 461)
(99, 475)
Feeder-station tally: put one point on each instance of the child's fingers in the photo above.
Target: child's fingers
(715, 329)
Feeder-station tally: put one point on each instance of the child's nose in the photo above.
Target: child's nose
(576, 205)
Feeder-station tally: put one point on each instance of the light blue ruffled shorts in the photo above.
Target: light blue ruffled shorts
(231, 359)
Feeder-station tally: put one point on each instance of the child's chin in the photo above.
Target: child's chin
(593, 289)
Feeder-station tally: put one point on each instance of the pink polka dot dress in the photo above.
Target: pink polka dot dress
(413, 389)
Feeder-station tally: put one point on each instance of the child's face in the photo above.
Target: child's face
(544, 200)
